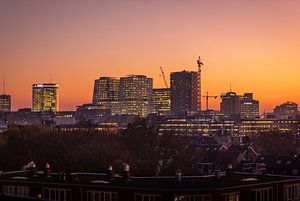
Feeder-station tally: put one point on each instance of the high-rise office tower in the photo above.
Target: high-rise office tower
(45, 97)
(106, 94)
(249, 107)
(106, 89)
(185, 95)
(5, 103)
(287, 110)
(240, 106)
(162, 101)
(136, 95)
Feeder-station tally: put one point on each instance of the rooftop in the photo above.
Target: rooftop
(167, 182)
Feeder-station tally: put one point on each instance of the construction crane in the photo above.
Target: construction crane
(164, 77)
(207, 97)
(200, 63)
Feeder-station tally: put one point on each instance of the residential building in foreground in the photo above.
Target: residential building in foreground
(31, 184)
(45, 97)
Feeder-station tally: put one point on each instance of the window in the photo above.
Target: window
(234, 196)
(16, 191)
(147, 197)
(264, 194)
(192, 198)
(291, 192)
(57, 194)
(101, 196)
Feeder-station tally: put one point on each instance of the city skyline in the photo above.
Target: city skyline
(252, 46)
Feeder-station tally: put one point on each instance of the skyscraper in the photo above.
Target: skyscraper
(106, 94)
(45, 97)
(230, 104)
(106, 89)
(249, 107)
(161, 101)
(136, 95)
(5, 103)
(185, 95)
(240, 106)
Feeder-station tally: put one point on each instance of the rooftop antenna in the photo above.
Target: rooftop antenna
(230, 88)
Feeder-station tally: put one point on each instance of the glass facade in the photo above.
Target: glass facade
(136, 95)
(161, 101)
(45, 97)
(5, 103)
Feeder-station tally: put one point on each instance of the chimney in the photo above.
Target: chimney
(218, 174)
(32, 169)
(47, 170)
(229, 171)
(178, 175)
(126, 172)
(110, 173)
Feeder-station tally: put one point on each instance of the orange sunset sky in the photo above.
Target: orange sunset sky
(255, 45)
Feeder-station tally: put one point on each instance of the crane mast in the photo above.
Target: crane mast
(164, 77)
(207, 97)
(200, 63)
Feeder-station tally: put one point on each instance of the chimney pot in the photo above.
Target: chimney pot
(126, 172)
(47, 170)
(178, 175)
(110, 173)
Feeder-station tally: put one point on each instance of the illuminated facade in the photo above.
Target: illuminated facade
(45, 97)
(198, 127)
(5, 103)
(161, 101)
(248, 127)
(287, 110)
(106, 94)
(242, 107)
(185, 97)
(136, 95)
(249, 107)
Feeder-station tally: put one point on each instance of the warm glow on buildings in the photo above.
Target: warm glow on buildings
(45, 97)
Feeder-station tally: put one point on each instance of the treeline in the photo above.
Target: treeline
(139, 145)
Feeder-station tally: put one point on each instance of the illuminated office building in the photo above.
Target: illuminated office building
(106, 94)
(161, 101)
(230, 104)
(239, 106)
(106, 89)
(287, 110)
(249, 107)
(136, 95)
(185, 95)
(45, 97)
(5, 103)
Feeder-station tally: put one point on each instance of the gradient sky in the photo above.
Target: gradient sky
(255, 45)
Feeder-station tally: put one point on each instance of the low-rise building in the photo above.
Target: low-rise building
(230, 186)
